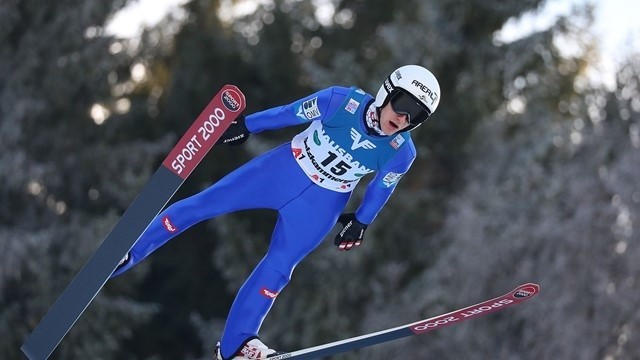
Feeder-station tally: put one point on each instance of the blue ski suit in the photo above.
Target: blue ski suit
(308, 181)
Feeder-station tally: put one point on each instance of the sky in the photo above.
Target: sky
(615, 25)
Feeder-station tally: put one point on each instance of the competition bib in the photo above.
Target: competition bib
(327, 163)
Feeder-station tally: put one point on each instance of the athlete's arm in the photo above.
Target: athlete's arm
(384, 183)
(317, 106)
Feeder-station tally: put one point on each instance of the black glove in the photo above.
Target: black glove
(236, 134)
(351, 234)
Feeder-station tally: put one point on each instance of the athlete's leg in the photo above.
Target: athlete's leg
(302, 225)
(243, 188)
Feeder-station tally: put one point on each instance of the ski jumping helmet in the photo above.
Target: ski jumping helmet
(413, 91)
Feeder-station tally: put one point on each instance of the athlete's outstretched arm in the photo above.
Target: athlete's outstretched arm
(317, 106)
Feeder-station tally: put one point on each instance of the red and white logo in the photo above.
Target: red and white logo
(250, 352)
(525, 292)
(166, 222)
(231, 100)
(268, 293)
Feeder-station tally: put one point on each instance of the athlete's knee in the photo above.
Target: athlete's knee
(282, 263)
(191, 210)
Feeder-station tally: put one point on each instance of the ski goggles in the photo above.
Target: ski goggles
(406, 104)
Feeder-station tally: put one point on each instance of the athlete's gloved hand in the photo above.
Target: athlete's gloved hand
(236, 134)
(351, 234)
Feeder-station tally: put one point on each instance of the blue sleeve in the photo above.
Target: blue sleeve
(384, 183)
(317, 106)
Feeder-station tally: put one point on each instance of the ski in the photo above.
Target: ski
(216, 117)
(518, 295)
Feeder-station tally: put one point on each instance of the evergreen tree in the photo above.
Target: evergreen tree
(67, 170)
(551, 197)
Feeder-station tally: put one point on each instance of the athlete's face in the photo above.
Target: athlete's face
(392, 122)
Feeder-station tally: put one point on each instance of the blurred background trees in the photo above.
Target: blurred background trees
(527, 172)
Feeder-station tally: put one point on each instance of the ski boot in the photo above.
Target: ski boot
(253, 349)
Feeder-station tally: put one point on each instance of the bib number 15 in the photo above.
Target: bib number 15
(340, 168)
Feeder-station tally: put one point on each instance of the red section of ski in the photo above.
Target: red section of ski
(520, 294)
(205, 131)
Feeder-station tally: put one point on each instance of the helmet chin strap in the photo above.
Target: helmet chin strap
(372, 120)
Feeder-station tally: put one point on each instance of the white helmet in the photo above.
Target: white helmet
(413, 91)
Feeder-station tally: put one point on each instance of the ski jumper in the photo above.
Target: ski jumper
(308, 181)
